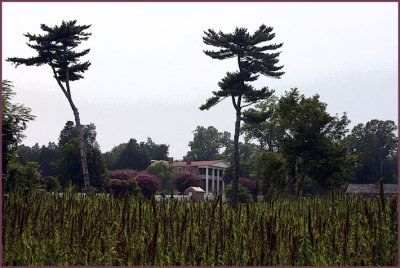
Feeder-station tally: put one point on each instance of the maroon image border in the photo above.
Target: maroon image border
(226, 1)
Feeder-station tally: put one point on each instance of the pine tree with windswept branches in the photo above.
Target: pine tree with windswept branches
(56, 49)
(254, 59)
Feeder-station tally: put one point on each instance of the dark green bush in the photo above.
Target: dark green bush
(244, 195)
(22, 176)
(121, 187)
(184, 180)
(52, 184)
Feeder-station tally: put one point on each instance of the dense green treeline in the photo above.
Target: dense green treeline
(299, 136)
(61, 161)
(302, 149)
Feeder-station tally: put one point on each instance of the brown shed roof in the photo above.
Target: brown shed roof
(195, 189)
(196, 163)
(353, 188)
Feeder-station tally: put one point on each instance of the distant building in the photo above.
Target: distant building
(211, 173)
(371, 189)
(196, 193)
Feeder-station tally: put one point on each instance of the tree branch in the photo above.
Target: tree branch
(68, 96)
(66, 72)
(67, 81)
(234, 102)
(221, 99)
(58, 81)
(251, 103)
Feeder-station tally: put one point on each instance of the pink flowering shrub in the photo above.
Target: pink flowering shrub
(122, 174)
(116, 186)
(121, 187)
(147, 183)
(251, 186)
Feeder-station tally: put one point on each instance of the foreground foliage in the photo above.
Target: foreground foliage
(14, 119)
(73, 229)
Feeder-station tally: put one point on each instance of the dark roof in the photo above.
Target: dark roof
(370, 188)
(196, 163)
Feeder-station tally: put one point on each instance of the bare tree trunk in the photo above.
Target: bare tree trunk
(236, 158)
(82, 150)
(67, 92)
(236, 155)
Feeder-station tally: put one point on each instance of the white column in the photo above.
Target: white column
(212, 180)
(223, 183)
(217, 180)
(206, 181)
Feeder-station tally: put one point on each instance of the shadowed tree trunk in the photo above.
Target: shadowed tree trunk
(236, 153)
(82, 151)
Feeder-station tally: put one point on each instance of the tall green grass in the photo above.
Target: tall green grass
(45, 229)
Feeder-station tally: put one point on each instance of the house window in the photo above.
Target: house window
(210, 171)
(221, 173)
(178, 169)
(202, 171)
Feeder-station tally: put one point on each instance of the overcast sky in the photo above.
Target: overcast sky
(149, 74)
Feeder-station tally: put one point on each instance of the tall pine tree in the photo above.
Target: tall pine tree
(253, 60)
(56, 49)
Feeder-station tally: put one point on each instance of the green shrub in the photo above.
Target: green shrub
(132, 187)
(52, 184)
(22, 176)
(244, 195)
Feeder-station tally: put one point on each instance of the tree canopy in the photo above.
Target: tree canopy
(376, 143)
(56, 48)
(46, 156)
(207, 142)
(134, 155)
(68, 165)
(267, 133)
(310, 143)
(70, 131)
(164, 173)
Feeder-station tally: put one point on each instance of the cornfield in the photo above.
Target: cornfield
(72, 229)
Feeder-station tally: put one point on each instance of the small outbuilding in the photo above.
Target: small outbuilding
(371, 189)
(196, 193)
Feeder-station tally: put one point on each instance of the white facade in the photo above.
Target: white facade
(211, 173)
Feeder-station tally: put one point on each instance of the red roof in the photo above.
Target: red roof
(196, 163)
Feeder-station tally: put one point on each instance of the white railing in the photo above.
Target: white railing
(179, 197)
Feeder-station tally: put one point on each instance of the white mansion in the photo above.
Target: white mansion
(211, 173)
